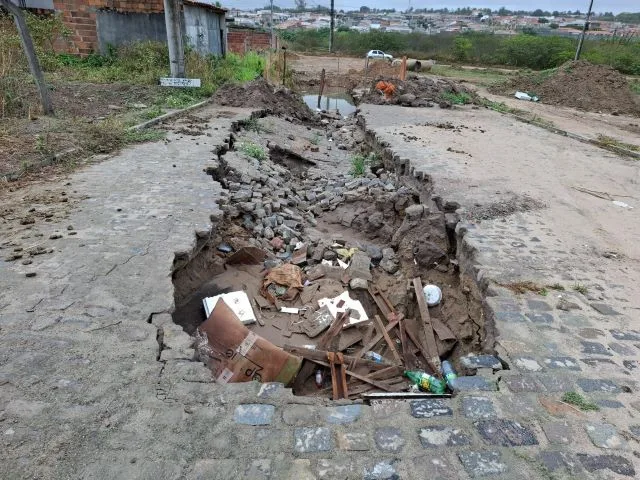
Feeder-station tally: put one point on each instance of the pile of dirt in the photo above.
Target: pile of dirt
(261, 94)
(581, 85)
(418, 91)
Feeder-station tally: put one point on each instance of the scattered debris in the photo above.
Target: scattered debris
(237, 301)
(526, 96)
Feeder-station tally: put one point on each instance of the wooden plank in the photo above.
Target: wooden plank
(375, 383)
(314, 354)
(307, 368)
(391, 344)
(443, 331)
(385, 306)
(386, 373)
(433, 358)
(409, 349)
(376, 339)
(349, 337)
(338, 376)
(414, 338)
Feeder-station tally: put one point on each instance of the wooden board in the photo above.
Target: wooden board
(390, 343)
(426, 332)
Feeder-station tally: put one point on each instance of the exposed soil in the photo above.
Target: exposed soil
(275, 207)
(582, 85)
(259, 94)
(416, 91)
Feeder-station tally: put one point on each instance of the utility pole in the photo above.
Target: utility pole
(271, 24)
(173, 21)
(30, 53)
(333, 24)
(584, 31)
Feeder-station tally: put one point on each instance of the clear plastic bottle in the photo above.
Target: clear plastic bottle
(376, 357)
(449, 374)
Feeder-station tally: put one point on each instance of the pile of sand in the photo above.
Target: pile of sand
(260, 94)
(582, 85)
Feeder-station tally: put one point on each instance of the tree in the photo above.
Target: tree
(30, 53)
(365, 9)
(301, 4)
(554, 26)
(462, 48)
(543, 20)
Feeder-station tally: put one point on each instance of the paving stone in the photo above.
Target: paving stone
(630, 364)
(623, 350)
(481, 361)
(540, 317)
(575, 320)
(383, 470)
(506, 433)
(259, 469)
(596, 385)
(482, 463)
(590, 333)
(557, 383)
(509, 317)
(300, 415)
(595, 348)
(597, 362)
(554, 461)
(475, 384)
(503, 304)
(300, 470)
(355, 441)
(441, 436)
(313, 439)
(520, 406)
(615, 463)
(521, 383)
(539, 305)
(604, 435)
(478, 407)
(635, 429)
(562, 362)
(631, 335)
(432, 407)
(434, 466)
(343, 414)
(389, 439)
(606, 403)
(270, 390)
(527, 363)
(214, 469)
(604, 309)
(333, 469)
(558, 432)
(254, 414)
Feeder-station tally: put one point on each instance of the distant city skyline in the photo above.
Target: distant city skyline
(615, 6)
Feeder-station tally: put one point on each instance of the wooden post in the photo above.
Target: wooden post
(433, 357)
(30, 53)
(403, 69)
(322, 80)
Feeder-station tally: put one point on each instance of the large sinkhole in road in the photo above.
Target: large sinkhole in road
(295, 200)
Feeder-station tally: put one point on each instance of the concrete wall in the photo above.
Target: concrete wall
(114, 28)
(242, 41)
(205, 30)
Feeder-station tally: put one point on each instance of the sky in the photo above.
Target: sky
(615, 6)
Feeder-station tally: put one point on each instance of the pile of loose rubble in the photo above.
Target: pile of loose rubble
(416, 91)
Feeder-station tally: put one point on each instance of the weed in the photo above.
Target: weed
(42, 145)
(143, 135)
(315, 140)
(359, 165)
(523, 287)
(152, 112)
(180, 99)
(579, 401)
(461, 98)
(635, 86)
(580, 288)
(556, 286)
(252, 124)
(612, 142)
(253, 151)
(543, 291)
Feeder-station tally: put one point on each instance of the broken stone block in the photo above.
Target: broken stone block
(358, 284)
(319, 322)
(359, 266)
(414, 212)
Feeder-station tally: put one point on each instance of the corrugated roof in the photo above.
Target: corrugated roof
(204, 4)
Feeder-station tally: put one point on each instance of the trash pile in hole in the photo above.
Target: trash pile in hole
(316, 309)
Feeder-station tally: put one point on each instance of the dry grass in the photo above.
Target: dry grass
(524, 287)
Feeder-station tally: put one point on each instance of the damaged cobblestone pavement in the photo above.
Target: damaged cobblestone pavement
(244, 299)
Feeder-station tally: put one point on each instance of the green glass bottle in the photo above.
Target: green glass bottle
(425, 382)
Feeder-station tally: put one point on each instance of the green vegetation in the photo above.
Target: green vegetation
(556, 286)
(612, 142)
(521, 51)
(635, 86)
(461, 98)
(315, 140)
(580, 288)
(253, 150)
(359, 163)
(480, 76)
(152, 112)
(579, 401)
(111, 134)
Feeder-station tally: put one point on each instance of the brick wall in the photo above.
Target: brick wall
(241, 41)
(80, 17)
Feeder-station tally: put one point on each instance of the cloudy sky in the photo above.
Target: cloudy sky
(598, 5)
